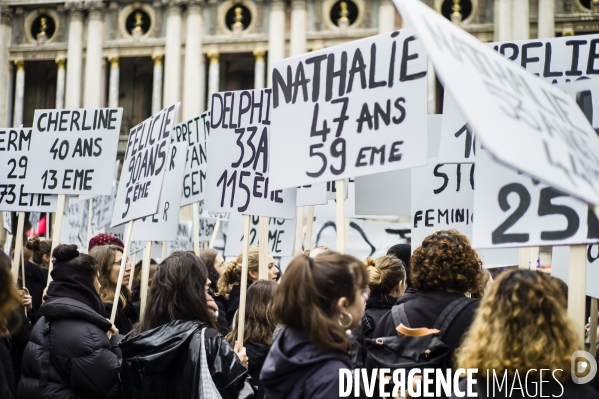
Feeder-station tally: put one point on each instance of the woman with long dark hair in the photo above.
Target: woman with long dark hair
(175, 351)
(258, 328)
(36, 269)
(215, 263)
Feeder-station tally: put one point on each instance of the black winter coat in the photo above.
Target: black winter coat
(295, 369)
(84, 363)
(256, 354)
(376, 307)
(165, 363)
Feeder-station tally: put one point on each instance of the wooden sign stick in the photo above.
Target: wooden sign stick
(195, 212)
(145, 277)
(18, 246)
(593, 327)
(119, 282)
(164, 248)
(340, 219)
(263, 248)
(23, 276)
(309, 227)
(58, 218)
(299, 227)
(89, 221)
(524, 258)
(577, 287)
(214, 234)
(134, 262)
(244, 279)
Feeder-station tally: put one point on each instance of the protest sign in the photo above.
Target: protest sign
(514, 210)
(442, 199)
(195, 133)
(586, 94)
(17, 160)
(561, 259)
(163, 225)
(238, 177)
(103, 205)
(350, 110)
(184, 239)
(389, 193)
(317, 194)
(513, 113)
(73, 149)
(144, 167)
(556, 60)
(281, 235)
(74, 229)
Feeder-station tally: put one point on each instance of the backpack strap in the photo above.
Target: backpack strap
(449, 313)
(398, 312)
(45, 369)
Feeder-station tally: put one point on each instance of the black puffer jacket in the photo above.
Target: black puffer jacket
(84, 363)
(165, 363)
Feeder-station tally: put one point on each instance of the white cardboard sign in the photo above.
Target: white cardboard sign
(513, 113)
(350, 110)
(183, 240)
(556, 60)
(73, 149)
(163, 225)
(560, 262)
(144, 167)
(74, 225)
(15, 163)
(318, 194)
(281, 235)
(514, 210)
(586, 94)
(443, 199)
(195, 132)
(238, 175)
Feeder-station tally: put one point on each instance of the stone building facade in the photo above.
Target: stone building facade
(142, 55)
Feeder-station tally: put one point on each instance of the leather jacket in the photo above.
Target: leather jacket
(165, 363)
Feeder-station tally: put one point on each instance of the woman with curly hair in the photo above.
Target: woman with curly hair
(386, 282)
(230, 280)
(443, 269)
(258, 328)
(109, 261)
(520, 328)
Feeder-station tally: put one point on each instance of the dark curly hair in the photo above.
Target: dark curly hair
(445, 261)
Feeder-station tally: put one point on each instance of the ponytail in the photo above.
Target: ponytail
(232, 274)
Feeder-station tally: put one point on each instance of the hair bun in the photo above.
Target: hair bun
(33, 243)
(369, 262)
(64, 253)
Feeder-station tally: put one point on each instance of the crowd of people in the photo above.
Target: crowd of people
(328, 311)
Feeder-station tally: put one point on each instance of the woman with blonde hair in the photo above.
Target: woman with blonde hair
(386, 282)
(109, 261)
(230, 280)
(258, 329)
(521, 328)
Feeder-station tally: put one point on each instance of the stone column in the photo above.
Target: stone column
(546, 19)
(17, 118)
(172, 54)
(213, 76)
(60, 79)
(92, 95)
(157, 83)
(276, 35)
(192, 89)
(520, 20)
(113, 83)
(297, 42)
(386, 16)
(5, 75)
(74, 55)
(503, 20)
(259, 71)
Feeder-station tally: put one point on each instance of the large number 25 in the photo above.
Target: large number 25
(499, 235)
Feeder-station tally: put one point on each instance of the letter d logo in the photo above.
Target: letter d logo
(584, 367)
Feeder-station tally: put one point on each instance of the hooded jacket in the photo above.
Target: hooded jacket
(294, 368)
(83, 361)
(165, 363)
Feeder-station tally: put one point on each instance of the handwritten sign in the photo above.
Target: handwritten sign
(73, 150)
(163, 225)
(238, 177)
(183, 240)
(516, 211)
(281, 235)
(74, 227)
(144, 167)
(349, 110)
(513, 113)
(15, 164)
(195, 133)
